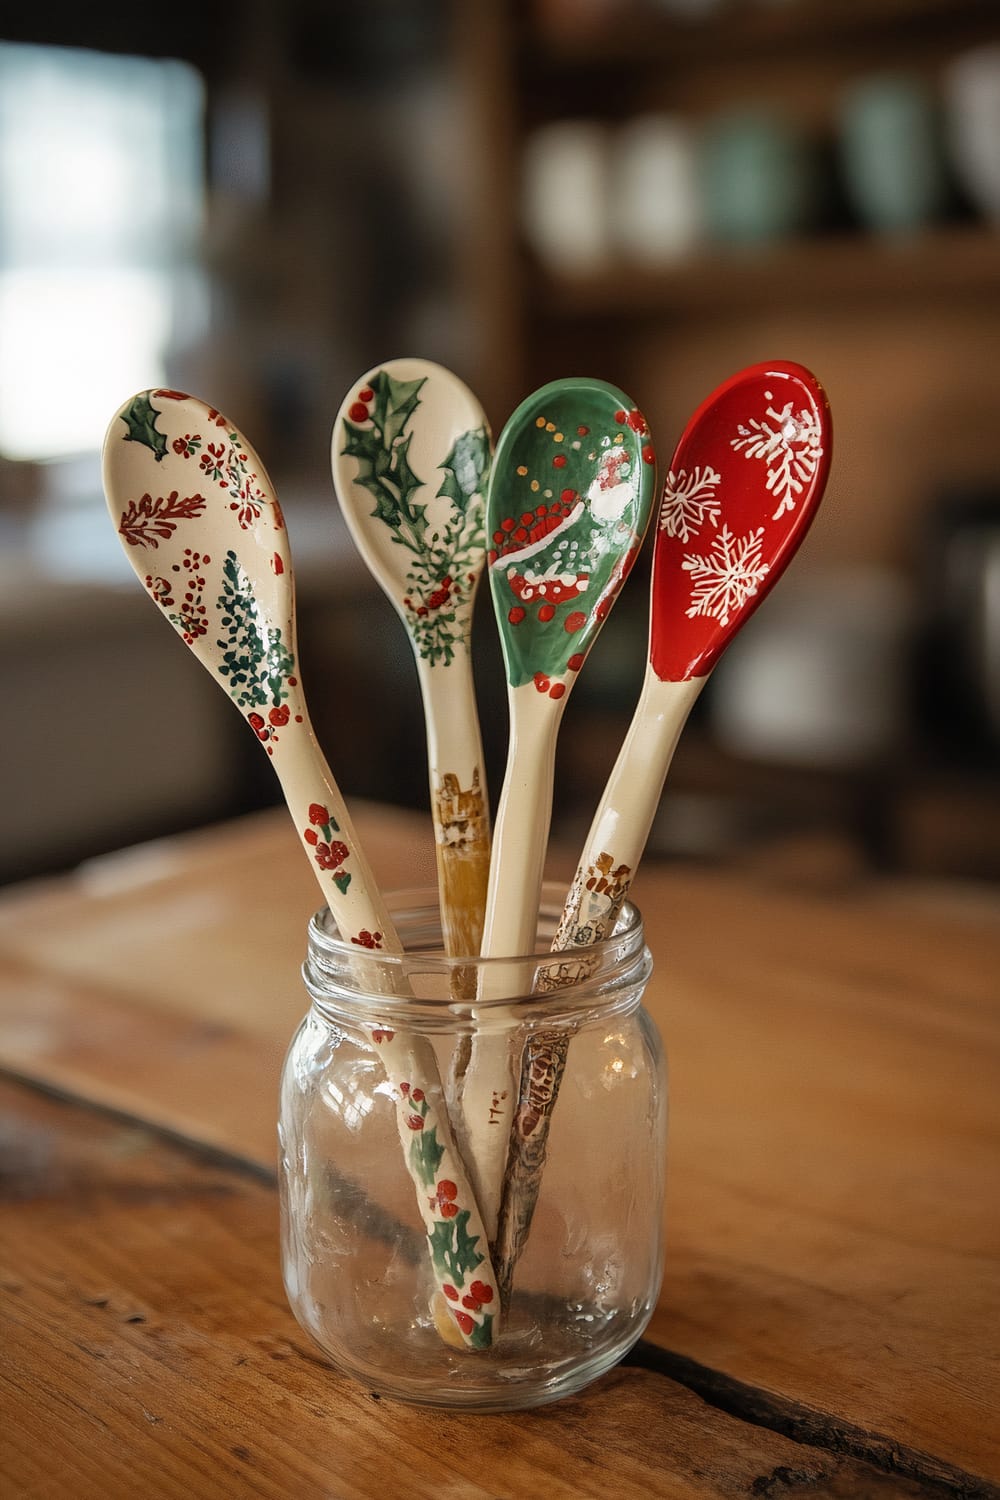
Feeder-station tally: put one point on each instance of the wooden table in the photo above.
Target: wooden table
(830, 1317)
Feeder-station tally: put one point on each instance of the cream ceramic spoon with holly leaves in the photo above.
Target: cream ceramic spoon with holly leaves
(200, 524)
(568, 503)
(744, 485)
(410, 454)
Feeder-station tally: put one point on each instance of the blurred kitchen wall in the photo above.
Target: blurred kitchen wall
(258, 202)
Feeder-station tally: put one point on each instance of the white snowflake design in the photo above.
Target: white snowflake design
(727, 576)
(689, 501)
(790, 443)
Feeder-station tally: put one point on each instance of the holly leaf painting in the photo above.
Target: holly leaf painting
(408, 482)
(453, 1249)
(466, 468)
(481, 1336)
(140, 418)
(425, 1155)
(384, 470)
(395, 403)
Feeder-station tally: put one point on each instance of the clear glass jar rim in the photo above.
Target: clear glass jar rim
(612, 972)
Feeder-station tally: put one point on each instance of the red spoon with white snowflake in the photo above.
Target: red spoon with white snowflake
(744, 484)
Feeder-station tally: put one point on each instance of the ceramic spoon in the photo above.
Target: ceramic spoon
(568, 503)
(411, 451)
(201, 526)
(744, 484)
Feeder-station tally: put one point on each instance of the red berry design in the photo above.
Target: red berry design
(415, 1122)
(318, 814)
(516, 615)
(279, 716)
(444, 1199)
(450, 1292)
(546, 612)
(358, 411)
(620, 415)
(541, 682)
(557, 690)
(311, 836)
(366, 939)
(648, 455)
(559, 462)
(418, 1096)
(464, 1322)
(367, 394)
(404, 1089)
(576, 661)
(574, 622)
(481, 1291)
(331, 856)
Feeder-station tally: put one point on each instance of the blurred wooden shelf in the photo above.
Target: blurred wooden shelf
(954, 262)
(743, 31)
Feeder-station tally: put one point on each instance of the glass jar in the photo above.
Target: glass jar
(360, 1267)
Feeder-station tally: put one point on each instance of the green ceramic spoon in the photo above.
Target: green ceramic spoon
(567, 506)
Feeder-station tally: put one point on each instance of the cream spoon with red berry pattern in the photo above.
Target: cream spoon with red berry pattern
(744, 484)
(410, 454)
(200, 523)
(567, 506)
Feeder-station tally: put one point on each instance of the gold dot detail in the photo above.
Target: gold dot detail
(550, 427)
(535, 485)
(539, 421)
(522, 470)
(558, 437)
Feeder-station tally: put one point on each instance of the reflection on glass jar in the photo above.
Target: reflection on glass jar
(364, 1273)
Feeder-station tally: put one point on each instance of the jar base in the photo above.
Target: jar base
(491, 1382)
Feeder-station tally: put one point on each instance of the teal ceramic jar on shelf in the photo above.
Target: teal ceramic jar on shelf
(358, 1265)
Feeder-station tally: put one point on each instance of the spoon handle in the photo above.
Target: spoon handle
(621, 825)
(327, 835)
(458, 800)
(610, 857)
(516, 869)
(410, 1063)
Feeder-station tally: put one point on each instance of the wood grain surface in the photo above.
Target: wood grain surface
(833, 1228)
(172, 1368)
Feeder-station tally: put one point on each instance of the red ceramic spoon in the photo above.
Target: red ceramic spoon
(744, 484)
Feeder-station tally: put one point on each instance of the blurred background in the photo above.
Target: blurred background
(257, 202)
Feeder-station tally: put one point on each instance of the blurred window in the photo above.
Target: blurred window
(101, 201)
